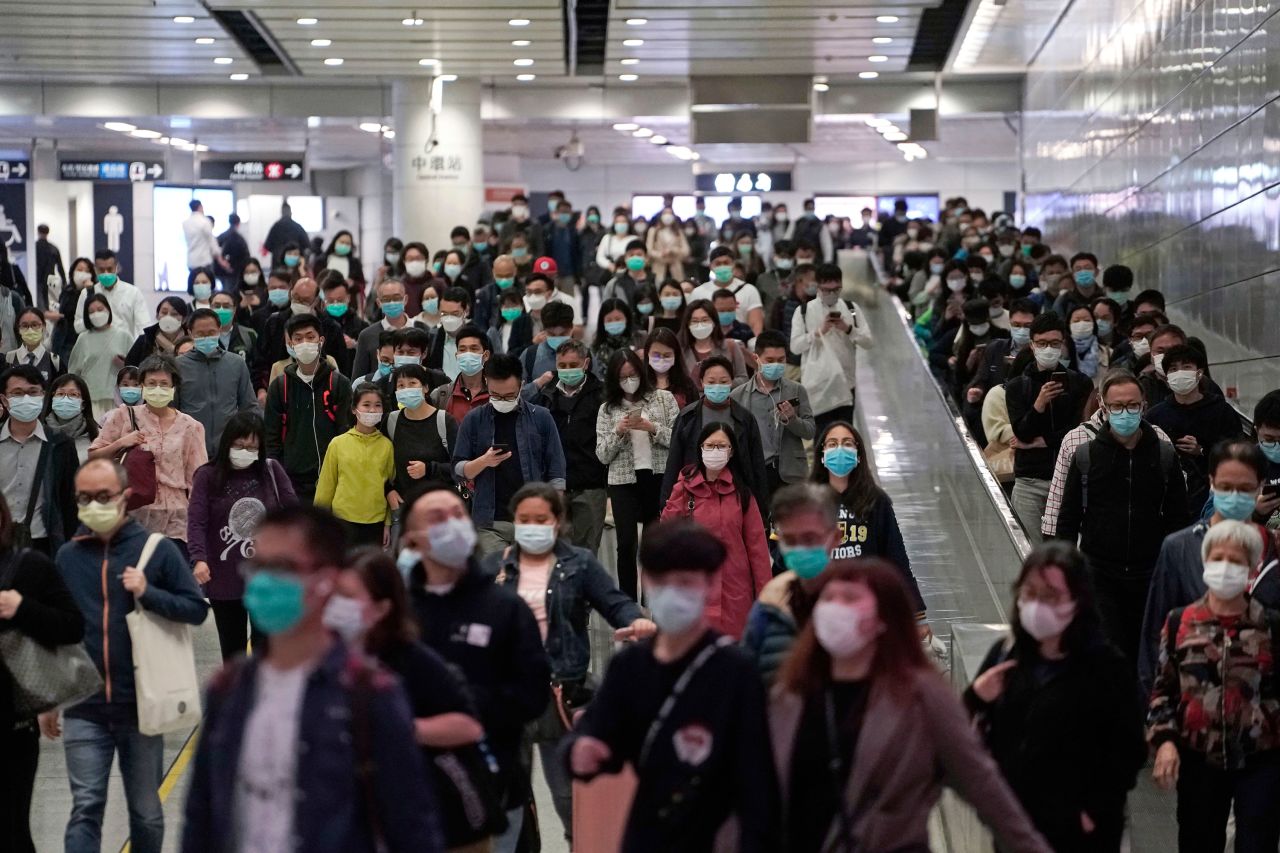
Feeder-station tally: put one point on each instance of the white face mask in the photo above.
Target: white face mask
(504, 406)
(307, 352)
(1157, 361)
(519, 212)
(955, 284)
(417, 269)
(344, 616)
(1141, 347)
(451, 323)
(1043, 621)
(980, 329)
(252, 278)
(242, 458)
(81, 278)
(630, 385)
(839, 628)
(668, 219)
(701, 331)
(829, 299)
(98, 319)
(535, 538)
(1081, 330)
(169, 324)
(369, 419)
(1183, 381)
(715, 460)
(1226, 579)
(300, 308)
(535, 301)
(1047, 357)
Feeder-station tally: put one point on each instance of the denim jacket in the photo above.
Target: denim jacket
(330, 802)
(579, 584)
(538, 445)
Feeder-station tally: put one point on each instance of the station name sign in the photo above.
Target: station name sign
(110, 170)
(286, 169)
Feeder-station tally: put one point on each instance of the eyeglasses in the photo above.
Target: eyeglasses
(715, 447)
(500, 398)
(86, 498)
(1131, 408)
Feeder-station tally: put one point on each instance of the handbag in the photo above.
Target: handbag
(140, 465)
(1000, 460)
(44, 677)
(164, 666)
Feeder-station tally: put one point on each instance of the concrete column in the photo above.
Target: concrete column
(438, 177)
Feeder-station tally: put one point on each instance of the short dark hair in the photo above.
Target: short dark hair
(29, 372)
(1056, 260)
(1048, 322)
(194, 205)
(325, 537)
(412, 336)
(1117, 277)
(459, 231)
(332, 280)
(203, 314)
(680, 544)
(721, 252)
(503, 366)
(557, 314)
(1169, 329)
(829, 272)
(803, 245)
(716, 361)
(1150, 295)
(770, 339)
(1185, 354)
(104, 255)
(1083, 256)
(303, 321)
(1267, 412)
(411, 371)
(543, 491)
(784, 247)
(471, 330)
(1119, 376)
(723, 293)
(1024, 306)
(635, 246)
(456, 294)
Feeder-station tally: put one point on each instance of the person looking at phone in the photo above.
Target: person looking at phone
(502, 445)
(1045, 402)
(826, 333)
(1266, 425)
(782, 411)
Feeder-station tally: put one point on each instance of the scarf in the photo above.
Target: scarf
(72, 427)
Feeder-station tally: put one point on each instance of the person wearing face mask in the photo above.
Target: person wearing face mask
(864, 729)
(1236, 471)
(520, 223)
(100, 567)
(1106, 314)
(1057, 695)
(750, 308)
(391, 300)
(1125, 474)
(633, 275)
(391, 266)
(159, 338)
(68, 410)
(615, 330)
(927, 282)
(1213, 718)
(713, 493)
(1045, 402)
(1084, 285)
(1197, 421)
(248, 292)
(1134, 347)
(340, 303)
(485, 630)
(539, 360)
(1152, 373)
(826, 333)
(99, 352)
(1052, 280)
(998, 356)
(769, 283)
(29, 325)
(702, 338)
(420, 432)
(201, 289)
(358, 467)
(506, 442)
(614, 244)
(564, 246)
(232, 336)
(307, 406)
(667, 248)
(561, 584)
(468, 391)
(275, 297)
(272, 354)
(82, 277)
(1266, 424)
(781, 409)
(1092, 357)
(955, 356)
(485, 301)
(686, 710)
(671, 306)
(341, 257)
(264, 769)
(229, 496)
(215, 383)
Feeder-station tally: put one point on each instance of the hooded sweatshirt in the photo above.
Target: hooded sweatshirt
(353, 480)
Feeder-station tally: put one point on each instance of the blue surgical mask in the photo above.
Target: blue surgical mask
(676, 609)
(671, 303)
(130, 395)
(402, 360)
(773, 371)
(292, 260)
(26, 408)
(1017, 282)
(470, 363)
(275, 601)
(431, 306)
(571, 375)
(936, 269)
(480, 247)
(384, 370)
(1237, 506)
(410, 398)
(67, 407)
(202, 291)
(1104, 327)
(278, 298)
(1271, 450)
(726, 317)
(206, 346)
(716, 393)
(807, 562)
(1020, 335)
(554, 341)
(840, 460)
(645, 308)
(1124, 424)
(392, 310)
(535, 538)
(615, 327)
(1084, 278)
(452, 271)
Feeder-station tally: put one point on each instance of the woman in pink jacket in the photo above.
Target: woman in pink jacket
(708, 493)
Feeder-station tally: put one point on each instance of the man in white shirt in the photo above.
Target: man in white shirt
(750, 307)
(202, 246)
(825, 333)
(129, 309)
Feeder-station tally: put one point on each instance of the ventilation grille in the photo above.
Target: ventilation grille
(255, 40)
(592, 18)
(937, 32)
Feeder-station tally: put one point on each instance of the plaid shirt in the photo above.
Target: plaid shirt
(1071, 442)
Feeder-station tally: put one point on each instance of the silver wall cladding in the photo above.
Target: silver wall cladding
(1152, 138)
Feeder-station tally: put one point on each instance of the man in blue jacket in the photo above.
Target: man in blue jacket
(99, 567)
(502, 445)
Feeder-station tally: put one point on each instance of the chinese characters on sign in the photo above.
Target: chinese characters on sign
(110, 170)
(251, 170)
(438, 167)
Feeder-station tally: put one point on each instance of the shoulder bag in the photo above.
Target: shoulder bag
(140, 464)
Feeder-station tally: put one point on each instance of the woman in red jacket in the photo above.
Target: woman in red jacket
(708, 493)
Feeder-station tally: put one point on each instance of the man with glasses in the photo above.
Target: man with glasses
(1124, 494)
(99, 567)
(455, 307)
(501, 446)
(1045, 402)
(37, 466)
(301, 743)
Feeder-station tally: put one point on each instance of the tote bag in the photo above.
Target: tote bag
(164, 666)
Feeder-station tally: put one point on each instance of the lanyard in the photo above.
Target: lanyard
(670, 702)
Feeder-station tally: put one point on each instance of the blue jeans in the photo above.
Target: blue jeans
(91, 739)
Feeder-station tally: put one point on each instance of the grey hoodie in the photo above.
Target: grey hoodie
(214, 387)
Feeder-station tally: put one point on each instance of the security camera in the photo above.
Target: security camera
(571, 153)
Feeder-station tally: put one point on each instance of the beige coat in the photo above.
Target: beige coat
(907, 749)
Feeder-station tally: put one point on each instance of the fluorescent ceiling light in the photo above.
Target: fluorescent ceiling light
(388, 134)
(628, 78)
(525, 78)
(878, 122)
(887, 19)
(521, 43)
(642, 133)
(895, 136)
(183, 19)
(308, 22)
(164, 140)
(632, 42)
(222, 60)
(334, 60)
(631, 60)
(524, 62)
(202, 147)
(371, 126)
(882, 40)
(447, 78)
(413, 22)
(878, 58)
(204, 40)
(145, 134)
(658, 140)
(428, 62)
(321, 42)
(519, 22)
(239, 76)
(176, 142)
(637, 22)
(868, 75)
(626, 126)
(120, 126)
(821, 87)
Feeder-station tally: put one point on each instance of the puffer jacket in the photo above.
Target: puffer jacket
(747, 567)
(771, 626)
(1216, 691)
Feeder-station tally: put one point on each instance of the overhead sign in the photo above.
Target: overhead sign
(251, 170)
(743, 182)
(110, 170)
(15, 170)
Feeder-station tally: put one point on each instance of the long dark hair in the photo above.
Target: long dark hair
(606, 307)
(240, 425)
(736, 467)
(862, 493)
(687, 339)
(1085, 630)
(86, 405)
(677, 376)
(381, 579)
(613, 395)
(807, 669)
(334, 242)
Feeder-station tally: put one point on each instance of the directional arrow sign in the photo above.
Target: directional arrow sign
(110, 170)
(154, 171)
(294, 171)
(284, 169)
(14, 170)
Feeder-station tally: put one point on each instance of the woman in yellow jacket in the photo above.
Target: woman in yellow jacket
(356, 469)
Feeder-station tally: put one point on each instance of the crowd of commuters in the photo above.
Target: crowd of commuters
(394, 495)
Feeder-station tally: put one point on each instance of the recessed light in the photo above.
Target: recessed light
(120, 126)
(447, 78)
(877, 122)
(525, 78)
(222, 60)
(642, 133)
(628, 78)
(202, 147)
(886, 19)
(239, 76)
(519, 22)
(878, 58)
(334, 60)
(821, 87)
(388, 134)
(658, 140)
(523, 63)
(177, 143)
(371, 126)
(868, 75)
(428, 62)
(626, 126)
(413, 22)
(321, 42)
(308, 22)
(204, 40)
(632, 42)
(164, 140)
(145, 134)
(184, 19)
(637, 22)
(895, 136)
(521, 43)
(630, 61)
(882, 40)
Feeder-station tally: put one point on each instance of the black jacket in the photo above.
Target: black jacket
(575, 419)
(490, 634)
(1068, 738)
(271, 345)
(48, 262)
(1062, 415)
(1126, 504)
(302, 419)
(235, 250)
(1210, 420)
(47, 615)
(1156, 389)
(143, 346)
(684, 451)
